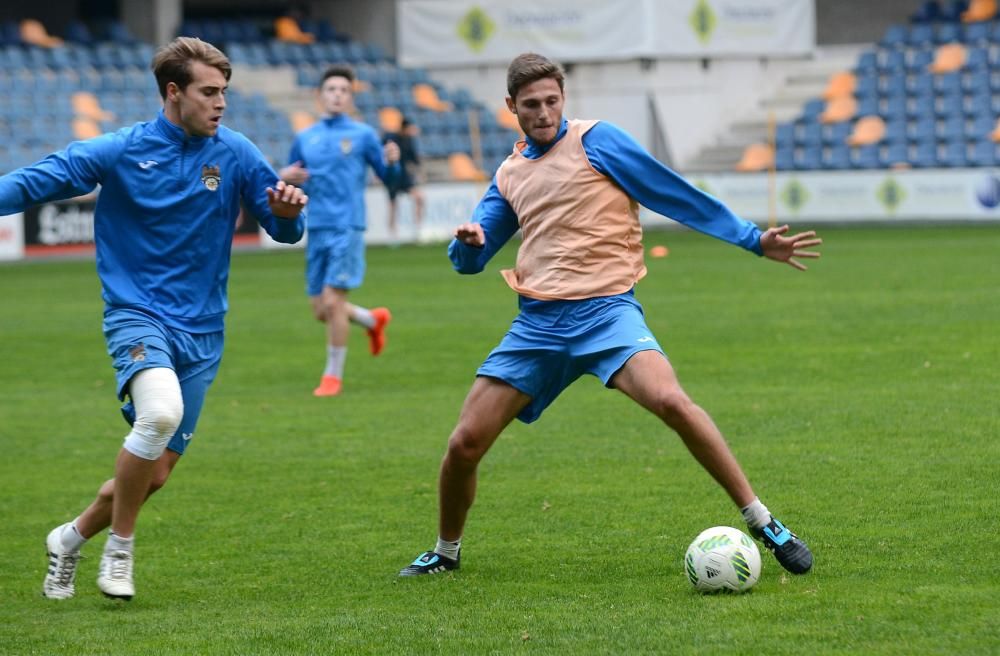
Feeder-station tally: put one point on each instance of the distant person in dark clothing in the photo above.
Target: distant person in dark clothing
(410, 178)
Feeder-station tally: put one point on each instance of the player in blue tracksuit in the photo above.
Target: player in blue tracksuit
(330, 160)
(171, 191)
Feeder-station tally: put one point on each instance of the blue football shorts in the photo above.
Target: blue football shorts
(552, 343)
(334, 258)
(137, 341)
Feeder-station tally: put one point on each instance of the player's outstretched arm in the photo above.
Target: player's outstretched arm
(774, 245)
(286, 201)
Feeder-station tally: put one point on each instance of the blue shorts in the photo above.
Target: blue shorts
(334, 258)
(552, 343)
(137, 341)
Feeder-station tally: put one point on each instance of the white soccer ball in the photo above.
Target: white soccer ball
(722, 558)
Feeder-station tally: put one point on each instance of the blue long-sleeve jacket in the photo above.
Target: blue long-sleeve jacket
(615, 154)
(337, 152)
(165, 216)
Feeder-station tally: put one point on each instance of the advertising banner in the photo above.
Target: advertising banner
(464, 32)
(910, 195)
(11, 237)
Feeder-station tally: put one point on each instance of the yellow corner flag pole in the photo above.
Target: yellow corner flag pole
(772, 200)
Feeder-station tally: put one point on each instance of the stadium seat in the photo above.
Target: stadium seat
(86, 105)
(895, 131)
(839, 85)
(462, 168)
(929, 12)
(896, 155)
(866, 157)
(837, 158)
(756, 157)
(34, 33)
(836, 133)
(924, 155)
(894, 37)
(953, 154)
(867, 130)
(920, 34)
(839, 109)
(984, 153)
(287, 29)
(425, 96)
(980, 10)
(86, 128)
(947, 58)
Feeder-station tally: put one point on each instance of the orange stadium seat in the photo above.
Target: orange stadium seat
(995, 135)
(301, 120)
(33, 32)
(287, 29)
(868, 130)
(85, 104)
(426, 97)
(840, 85)
(463, 168)
(756, 157)
(839, 109)
(980, 10)
(86, 128)
(948, 58)
(508, 120)
(390, 119)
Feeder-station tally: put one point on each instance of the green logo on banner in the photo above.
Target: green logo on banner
(703, 21)
(794, 195)
(890, 194)
(701, 184)
(476, 29)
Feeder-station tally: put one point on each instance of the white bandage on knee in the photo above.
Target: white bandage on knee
(159, 408)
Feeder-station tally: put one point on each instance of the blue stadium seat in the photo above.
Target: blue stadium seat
(975, 80)
(920, 35)
(948, 83)
(784, 136)
(895, 154)
(924, 155)
(836, 133)
(865, 157)
(895, 36)
(867, 62)
(976, 34)
(784, 159)
(953, 10)
(950, 105)
(891, 61)
(950, 129)
(895, 131)
(947, 33)
(921, 130)
(918, 60)
(868, 105)
(866, 85)
(979, 127)
(953, 154)
(812, 109)
(928, 12)
(984, 153)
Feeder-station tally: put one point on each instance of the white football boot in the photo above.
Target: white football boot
(59, 580)
(115, 576)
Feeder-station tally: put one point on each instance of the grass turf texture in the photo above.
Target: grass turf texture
(861, 398)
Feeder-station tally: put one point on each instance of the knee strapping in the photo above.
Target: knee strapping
(159, 408)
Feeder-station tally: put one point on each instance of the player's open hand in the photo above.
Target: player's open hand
(786, 249)
(391, 152)
(470, 234)
(286, 201)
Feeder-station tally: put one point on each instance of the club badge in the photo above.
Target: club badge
(345, 146)
(210, 177)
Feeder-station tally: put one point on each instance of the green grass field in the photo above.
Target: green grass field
(861, 398)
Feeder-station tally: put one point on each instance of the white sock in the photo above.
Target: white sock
(362, 316)
(335, 357)
(118, 543)
(756, 514)
(447, 548)
(70, 537)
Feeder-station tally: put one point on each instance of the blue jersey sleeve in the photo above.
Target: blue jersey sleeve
(296, 153)
(374, 156)
(499, 224)
(75, 171)
(614, 153)
(259, 176)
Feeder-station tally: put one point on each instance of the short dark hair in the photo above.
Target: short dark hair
(337, 70)
(172, 62)
(531, 67)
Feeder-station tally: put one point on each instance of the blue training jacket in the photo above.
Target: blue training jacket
(165, 216)
(615, 154)
(337, 151)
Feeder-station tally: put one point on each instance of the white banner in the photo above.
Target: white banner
(12, 237)
(465, 32)
(712, 28)
(914, 195)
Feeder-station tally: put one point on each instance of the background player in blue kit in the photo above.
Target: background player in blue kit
(171, 190)
(330, 161)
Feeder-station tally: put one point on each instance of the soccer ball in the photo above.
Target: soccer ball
(722, 558)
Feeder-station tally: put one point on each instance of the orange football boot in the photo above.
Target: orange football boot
(328, 386)
(376, 334)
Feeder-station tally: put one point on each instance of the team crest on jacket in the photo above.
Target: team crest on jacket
(345, 146)
(211, 177)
